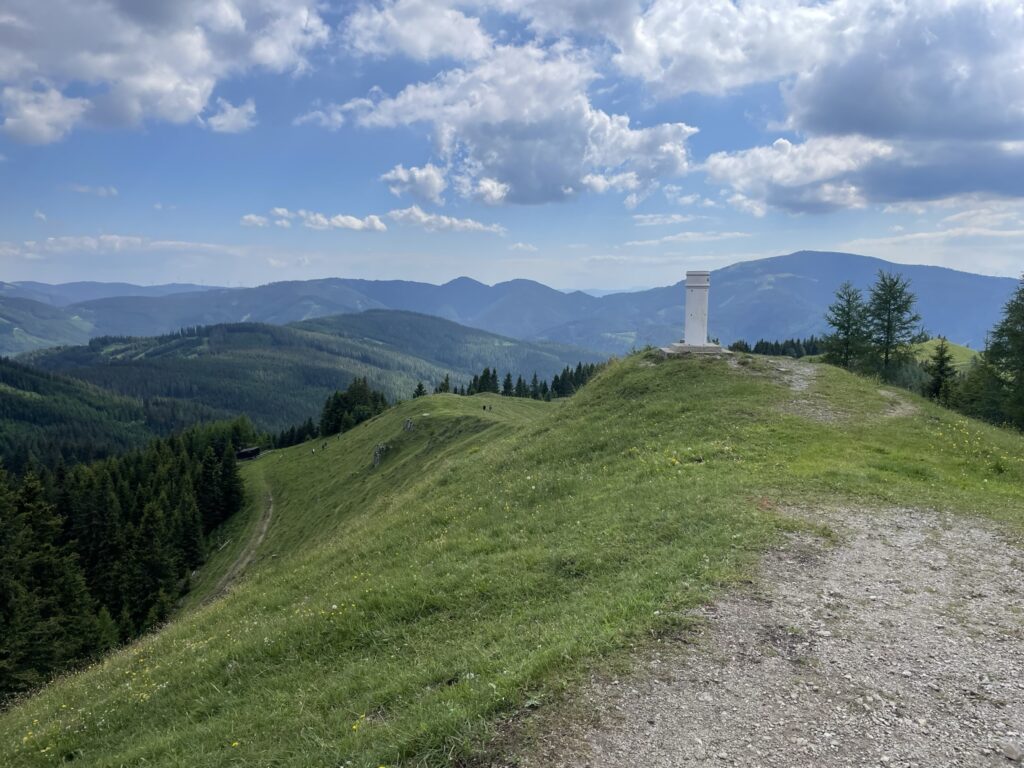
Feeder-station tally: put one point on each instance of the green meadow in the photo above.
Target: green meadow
(500, 549)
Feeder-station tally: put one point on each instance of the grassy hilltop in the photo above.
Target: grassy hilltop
(392, 613)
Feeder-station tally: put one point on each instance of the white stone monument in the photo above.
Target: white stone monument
(695, 332)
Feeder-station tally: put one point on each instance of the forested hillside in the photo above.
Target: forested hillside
(280, 375)
(92, 556)
(48, 419)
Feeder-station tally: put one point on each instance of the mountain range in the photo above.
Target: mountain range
(280, 375)
(779, 297)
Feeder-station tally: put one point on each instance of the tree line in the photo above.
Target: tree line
(788, 348)
(342, 410)
(875, 334)
(563, 384)
(93, 555)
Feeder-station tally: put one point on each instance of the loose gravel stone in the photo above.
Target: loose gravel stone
(903, 645)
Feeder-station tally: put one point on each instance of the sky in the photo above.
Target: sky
(593, 144)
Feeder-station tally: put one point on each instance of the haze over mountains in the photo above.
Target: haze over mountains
(779, 297)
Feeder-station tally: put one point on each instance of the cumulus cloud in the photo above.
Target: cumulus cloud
(231, 119)
(525, 247)
(140, 61)
(434, 222)
(927, 70)
(712, 46)
(254, 220)
(619, 182)
(522, 118)
(426, 183)
(816, 175)
(420, 29)
(39, 116)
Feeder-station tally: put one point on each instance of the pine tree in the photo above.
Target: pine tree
(1005, 353)
(892, 322)
(847, 316)
(507, 387)
(420, 390)
(65, 629)
(942, 372)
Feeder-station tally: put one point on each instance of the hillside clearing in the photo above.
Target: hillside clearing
(502, 551)
(901, 645)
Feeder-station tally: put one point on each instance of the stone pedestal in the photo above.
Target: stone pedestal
(695, 332)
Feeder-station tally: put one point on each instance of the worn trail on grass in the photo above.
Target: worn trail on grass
(246, 555)
(902, 645)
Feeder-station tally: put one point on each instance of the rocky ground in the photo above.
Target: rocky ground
(900, 645)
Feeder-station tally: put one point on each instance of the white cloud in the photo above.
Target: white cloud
(620, 182)
(661, 219)
(99, 191)
(433, 222)
(524, 247)
(313, 220)
(232, 119)
(713, 46)
(39, 216)
(811, 176)
(490, 191)
(39, 117)
(141, 61)
(522, 118)
(690, 237)
(253, 220)
(329, 117)
(426, 183)
(420, 29)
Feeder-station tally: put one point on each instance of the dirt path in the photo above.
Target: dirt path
(246, 555)
(903, 645)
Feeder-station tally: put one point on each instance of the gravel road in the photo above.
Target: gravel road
(901, 645)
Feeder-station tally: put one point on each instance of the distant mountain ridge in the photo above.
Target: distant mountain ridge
(280, 375)
(778, 297)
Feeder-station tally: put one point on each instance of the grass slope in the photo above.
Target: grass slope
(280, 376)
(394, 612)
(962, 356)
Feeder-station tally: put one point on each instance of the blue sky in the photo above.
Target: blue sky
(583, 143)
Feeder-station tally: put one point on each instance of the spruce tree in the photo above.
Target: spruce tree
(507, 388)
(847, 316)
(65, 629)
(1005, 353)
(892, 322)
(942, 373)
(420, 390)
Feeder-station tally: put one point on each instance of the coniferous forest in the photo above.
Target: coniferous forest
(93, 555)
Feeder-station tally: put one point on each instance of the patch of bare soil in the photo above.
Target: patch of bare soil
(799, 377)
(896, 406)
(903, 645)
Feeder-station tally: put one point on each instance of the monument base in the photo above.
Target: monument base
(682, 348)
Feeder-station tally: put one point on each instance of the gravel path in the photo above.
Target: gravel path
(902, 645)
